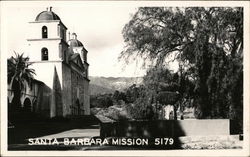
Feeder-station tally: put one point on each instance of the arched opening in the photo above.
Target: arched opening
(45, 54)
(44, 32)
(27, 105)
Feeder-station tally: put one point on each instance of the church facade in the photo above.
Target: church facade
(61, 67)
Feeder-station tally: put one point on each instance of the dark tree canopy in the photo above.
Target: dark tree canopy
(156, 32)
(19, 71)
(19, 74)
(206, 42)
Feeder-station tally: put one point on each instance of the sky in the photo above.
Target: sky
(97, 25)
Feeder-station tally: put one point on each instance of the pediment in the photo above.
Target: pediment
(77, 60)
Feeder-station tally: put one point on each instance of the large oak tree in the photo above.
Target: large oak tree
(206, 42)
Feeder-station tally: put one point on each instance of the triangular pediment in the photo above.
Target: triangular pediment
(77, 60)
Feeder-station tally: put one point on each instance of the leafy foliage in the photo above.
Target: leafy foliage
(19, 73)
(134, 92)
(119, 96)
(140, 109)
(207, 43)
(104, 100)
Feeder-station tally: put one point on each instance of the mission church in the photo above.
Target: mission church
(61, 85)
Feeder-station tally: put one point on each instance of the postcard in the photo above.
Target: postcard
(125, 78)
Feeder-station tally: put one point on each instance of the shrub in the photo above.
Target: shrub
(140, 110)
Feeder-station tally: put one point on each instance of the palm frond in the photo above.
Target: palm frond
(19, 71)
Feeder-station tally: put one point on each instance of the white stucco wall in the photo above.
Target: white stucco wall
(35, 29)
(35, 47)
(45, 69)
(45, 73)
(27, 92)
(66, 92)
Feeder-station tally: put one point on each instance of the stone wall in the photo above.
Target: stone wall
(77, 93)
(165, 128)
(86, 97)
(66, 90)
(43, 100)
(74, 87)
(57, 94)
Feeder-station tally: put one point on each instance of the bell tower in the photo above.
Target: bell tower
(47, 38)
(61, 66)
(48, 52)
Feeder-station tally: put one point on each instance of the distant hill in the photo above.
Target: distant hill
(95, 89)
(103, 85)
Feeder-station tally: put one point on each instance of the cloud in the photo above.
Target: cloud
(98, 27)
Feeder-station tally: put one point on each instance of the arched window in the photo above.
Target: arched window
(45, 54)
(44, 32)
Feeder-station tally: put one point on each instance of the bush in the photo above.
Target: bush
(104, 100)
(114, 112)
(140, 110)
(166, 97)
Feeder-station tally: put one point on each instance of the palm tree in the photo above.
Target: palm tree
(19, 73)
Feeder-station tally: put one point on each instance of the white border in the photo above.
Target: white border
(243, 152)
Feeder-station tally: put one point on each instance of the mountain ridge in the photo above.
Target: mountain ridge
(105, 85)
